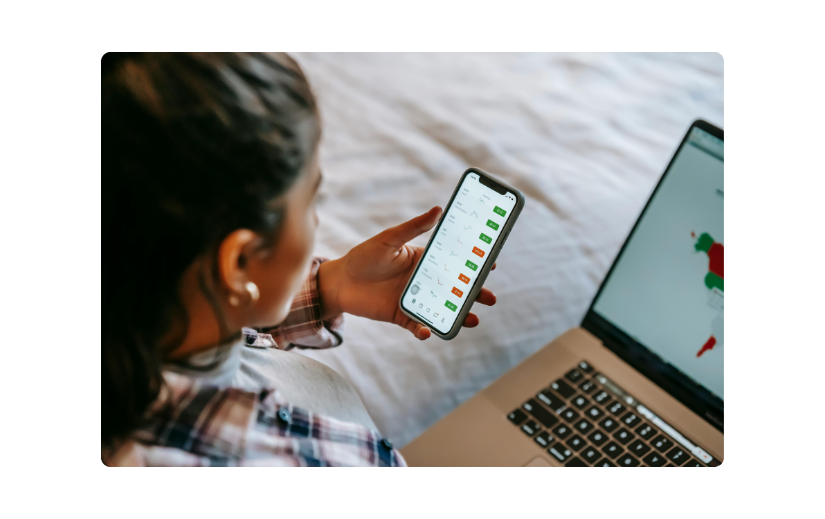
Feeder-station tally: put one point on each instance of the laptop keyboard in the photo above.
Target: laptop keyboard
(584, 420)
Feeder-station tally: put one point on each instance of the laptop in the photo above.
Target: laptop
(641, 381)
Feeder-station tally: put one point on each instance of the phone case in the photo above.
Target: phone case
(482, 277)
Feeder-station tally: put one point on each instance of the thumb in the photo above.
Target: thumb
(401, 234)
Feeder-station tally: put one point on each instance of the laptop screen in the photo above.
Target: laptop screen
(666, 290)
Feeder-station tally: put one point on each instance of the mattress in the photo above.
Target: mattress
(585, 137)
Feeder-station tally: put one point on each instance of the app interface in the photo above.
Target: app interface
(468, 233)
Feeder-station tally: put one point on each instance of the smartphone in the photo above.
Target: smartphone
(466, 242)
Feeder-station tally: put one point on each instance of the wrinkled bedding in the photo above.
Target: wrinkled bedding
(584, 136)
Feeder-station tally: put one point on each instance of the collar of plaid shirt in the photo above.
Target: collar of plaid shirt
(197, 424)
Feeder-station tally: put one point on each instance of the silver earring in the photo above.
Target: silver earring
(254, 293)
(233, 300)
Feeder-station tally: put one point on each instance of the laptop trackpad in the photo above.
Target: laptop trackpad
(538, 462)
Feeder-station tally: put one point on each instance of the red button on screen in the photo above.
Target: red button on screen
(457, 292)
(479, 252)
(464, 278)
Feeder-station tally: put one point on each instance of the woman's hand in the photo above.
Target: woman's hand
(369, 279)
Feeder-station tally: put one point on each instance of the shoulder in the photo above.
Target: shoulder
(196, 424)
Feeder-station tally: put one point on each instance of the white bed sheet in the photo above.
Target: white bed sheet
(584, 136)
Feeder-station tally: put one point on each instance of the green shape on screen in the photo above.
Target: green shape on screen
(450, 305)
(485, 238)
(471, 265)
(704, 242)
(713, 280)
(499, 210)
(492, 225)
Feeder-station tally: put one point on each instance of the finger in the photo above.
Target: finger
(486, 297)
(471, 321)
(401, 234)
(421, 332)
(494, 267)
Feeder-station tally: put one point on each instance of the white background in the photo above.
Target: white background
(585, 137)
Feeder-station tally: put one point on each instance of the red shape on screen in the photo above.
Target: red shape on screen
(716, 253)
(708, 346)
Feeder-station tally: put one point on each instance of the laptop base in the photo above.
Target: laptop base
(479, 433)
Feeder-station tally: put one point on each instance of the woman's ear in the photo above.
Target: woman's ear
(233, 258)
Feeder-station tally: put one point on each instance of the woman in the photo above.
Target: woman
(210, 172)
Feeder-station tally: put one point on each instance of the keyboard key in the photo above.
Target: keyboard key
(588, 386)
(575, 462)
(570, 415)
(662, 444)
(669, 465)
(602, 397)
(517, 417)
(530, 428)
(583, 426)
(630, 419)
(694, 463)
(574, 376)
(616, 408)
(597, 438)
(580, 402)
(612, 449)
(585, 366)
(575, 442)
(638, 448)
(552, 400)
(562, 431)
(560, 452)
(646, 431)
(594, 413)
(591, 455)
(604, 463)
(678, 456)
(654, 459)
(539, 413)
(608, 424)
(561, 387)
(623, 436)
(544, 439)
(627, 461)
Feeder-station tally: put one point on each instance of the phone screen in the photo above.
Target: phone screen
(467, 235)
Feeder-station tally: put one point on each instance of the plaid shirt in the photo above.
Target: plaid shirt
(303, 326)
(195, 424)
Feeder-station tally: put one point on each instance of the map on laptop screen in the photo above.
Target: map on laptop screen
(667, 289)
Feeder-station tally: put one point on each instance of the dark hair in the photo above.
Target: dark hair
(194, 146)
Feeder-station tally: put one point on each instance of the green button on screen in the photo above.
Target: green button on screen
(492, 224)
(471, 265)
(450, 306)
(500, 211)
(485, 238)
